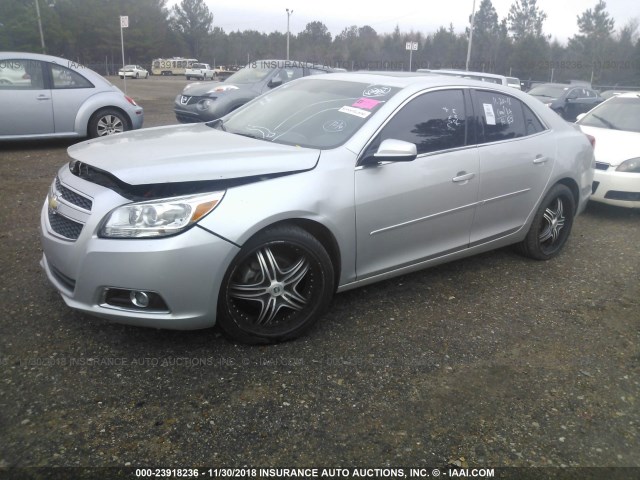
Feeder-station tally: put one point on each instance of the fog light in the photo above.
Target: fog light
(134, 300)
(139, 299)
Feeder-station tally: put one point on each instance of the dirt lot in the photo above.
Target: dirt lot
(491, 361)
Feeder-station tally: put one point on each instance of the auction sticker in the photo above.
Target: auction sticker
(367, 103)
(358, 112)
(488, 113)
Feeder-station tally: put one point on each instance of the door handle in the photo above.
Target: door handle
(43, 97)
(463, 177)
(540, 159)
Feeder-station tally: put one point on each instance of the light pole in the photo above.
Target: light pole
(473, 16)
(44, 50)
(289, 13)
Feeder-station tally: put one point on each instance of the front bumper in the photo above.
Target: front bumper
(185, 270)
(616, 188)
(189, 109)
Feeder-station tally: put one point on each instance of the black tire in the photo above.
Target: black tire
(277, 287)
(137, 74)
(146, 75)
(551, 225)
(107, 122)
(188, 77)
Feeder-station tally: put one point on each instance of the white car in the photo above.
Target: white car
(201, 71)
(615, 124)
(133, 71)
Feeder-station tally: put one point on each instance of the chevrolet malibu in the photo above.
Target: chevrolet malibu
(323, 185)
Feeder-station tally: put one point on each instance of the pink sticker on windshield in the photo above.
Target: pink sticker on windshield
(367, 103)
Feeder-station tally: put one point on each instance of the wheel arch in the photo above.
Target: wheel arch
(109, 107)
(321, 233)
(575, 191)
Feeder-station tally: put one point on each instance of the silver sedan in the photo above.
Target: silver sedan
(325, 184)
(45, 96)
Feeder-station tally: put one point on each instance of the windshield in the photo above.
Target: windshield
(309, 113)
(252, 73)
(549, 91)
(616, 114)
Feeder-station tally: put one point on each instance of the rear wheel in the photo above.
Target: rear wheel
(107, 122)
(277, 287)
(551, 225)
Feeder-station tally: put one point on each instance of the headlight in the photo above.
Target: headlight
(158, 218)
(223, 88)
(629, 166)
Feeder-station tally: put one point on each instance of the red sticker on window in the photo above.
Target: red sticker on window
(366, 103)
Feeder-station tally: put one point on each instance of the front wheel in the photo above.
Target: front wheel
(551, 225)
(277, 287)
(107, 122)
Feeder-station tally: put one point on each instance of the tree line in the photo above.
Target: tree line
(88, 31)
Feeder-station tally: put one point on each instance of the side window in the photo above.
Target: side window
(532, 123)
(289, 73)
(433, 121)
(21, 75)
(66, 78)
(502, 116)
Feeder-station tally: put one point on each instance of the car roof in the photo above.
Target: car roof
(417, 80)
(629, 95)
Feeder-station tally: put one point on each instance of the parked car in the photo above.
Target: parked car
(324, 184)
(200, 71)
(202, 102)
(566, 100)
(615, 124)
(133, 71)
(55, 97)
(613, 93)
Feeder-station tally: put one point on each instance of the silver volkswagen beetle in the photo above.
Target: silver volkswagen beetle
(325, 184)
(44, 96)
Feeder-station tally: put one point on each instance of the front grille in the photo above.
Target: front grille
(602, 166)
(73, 197)
(64, 226)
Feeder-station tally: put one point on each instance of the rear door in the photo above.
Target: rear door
(517, 153)
(25, 100)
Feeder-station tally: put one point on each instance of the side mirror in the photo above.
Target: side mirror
(392, 150)
(274, 82)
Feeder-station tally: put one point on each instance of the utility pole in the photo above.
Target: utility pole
(44, 50)
(289, 13)
(473, 16)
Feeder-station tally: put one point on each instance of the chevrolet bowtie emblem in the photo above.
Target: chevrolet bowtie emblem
(53, 202)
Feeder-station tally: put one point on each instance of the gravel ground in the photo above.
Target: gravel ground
(492, 361)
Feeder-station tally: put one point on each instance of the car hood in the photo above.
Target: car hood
(614, 146)
(200, 88)
(190, 153)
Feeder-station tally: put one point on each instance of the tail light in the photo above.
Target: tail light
(133, 102)
(592, 140)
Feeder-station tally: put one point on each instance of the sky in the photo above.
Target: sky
(423, 16)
